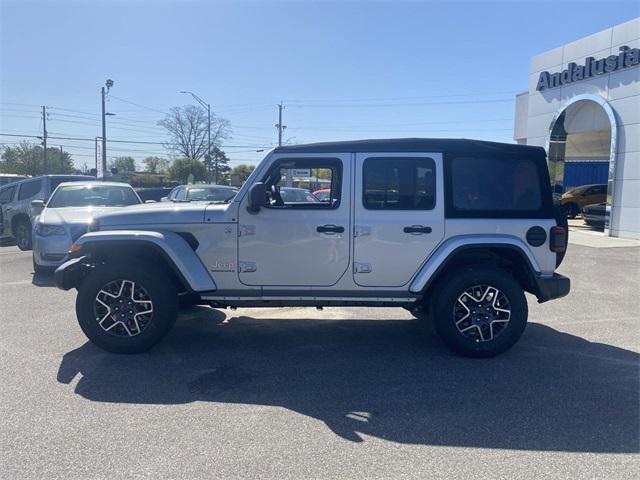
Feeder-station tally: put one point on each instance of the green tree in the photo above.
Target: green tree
(27, 159)
(240, 173)
(181, 168)
(155, 164)
(123, 164)
(220, 161)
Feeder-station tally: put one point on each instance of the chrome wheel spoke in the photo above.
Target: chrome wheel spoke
(481, 313)
(127, 305)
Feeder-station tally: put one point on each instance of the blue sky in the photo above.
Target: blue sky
(343, 70)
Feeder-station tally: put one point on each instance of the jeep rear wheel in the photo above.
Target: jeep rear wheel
(126, 308)
(22, 234)
(480, 311)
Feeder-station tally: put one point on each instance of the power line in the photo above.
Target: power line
(452, 95)
(123, 141)
(416, 104)
(138, 104)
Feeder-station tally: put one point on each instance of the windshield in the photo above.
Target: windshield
(211, 194)
(93, 195)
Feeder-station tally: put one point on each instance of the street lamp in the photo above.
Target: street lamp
(208, 107)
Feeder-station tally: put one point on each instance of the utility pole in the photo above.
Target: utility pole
(209, 144)
(61, 160)
(103, 167)
(109, 84)
(279, 125)
(44, 139)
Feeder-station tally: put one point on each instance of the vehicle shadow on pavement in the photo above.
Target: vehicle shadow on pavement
(384, 378)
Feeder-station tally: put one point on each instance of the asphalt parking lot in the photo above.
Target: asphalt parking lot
(340, 393)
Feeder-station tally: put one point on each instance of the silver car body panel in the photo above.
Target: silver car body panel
(173, 245)
(167, 213)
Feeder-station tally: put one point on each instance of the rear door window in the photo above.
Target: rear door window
(399, 183)
(29, 189)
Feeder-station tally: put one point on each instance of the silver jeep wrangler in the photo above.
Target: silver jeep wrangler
(453, 230)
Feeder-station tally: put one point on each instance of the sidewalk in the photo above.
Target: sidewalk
(581, 234)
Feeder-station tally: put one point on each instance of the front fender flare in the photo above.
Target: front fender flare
(172, 246)
(431, 267)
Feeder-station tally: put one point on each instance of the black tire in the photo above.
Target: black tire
(160, 291)
(446, 300)
(39, 269)
(22, 234)
(571, 210)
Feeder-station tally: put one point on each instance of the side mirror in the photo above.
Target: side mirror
(257, 197)
(37, 204)
(164, 199)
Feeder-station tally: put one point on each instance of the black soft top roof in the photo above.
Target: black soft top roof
(458, 146)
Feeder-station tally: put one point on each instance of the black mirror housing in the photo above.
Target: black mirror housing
(257, 197)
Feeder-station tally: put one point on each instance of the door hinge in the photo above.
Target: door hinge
(359, 267)
(361, 231)
(247, 266)
(244, 230)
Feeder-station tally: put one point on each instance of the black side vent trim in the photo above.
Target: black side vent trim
(190, 239)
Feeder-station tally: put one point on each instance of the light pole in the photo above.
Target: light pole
(208, 107)
(109, 84)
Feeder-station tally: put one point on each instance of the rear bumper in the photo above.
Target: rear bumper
(70, 273)
(555, 286)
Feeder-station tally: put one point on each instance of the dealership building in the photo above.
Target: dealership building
(583, 107)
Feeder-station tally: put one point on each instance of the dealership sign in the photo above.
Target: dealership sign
(628, 57)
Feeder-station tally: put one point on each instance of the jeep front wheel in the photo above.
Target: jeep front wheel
(480, 311)
(126, 308)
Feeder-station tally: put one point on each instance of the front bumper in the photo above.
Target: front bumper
(51, 251)
(555, 286)
(70, 273)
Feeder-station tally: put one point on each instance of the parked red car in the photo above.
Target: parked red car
(323, 194)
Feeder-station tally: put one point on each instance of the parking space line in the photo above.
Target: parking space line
(20, 282)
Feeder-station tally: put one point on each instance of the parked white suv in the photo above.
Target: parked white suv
(460, 229)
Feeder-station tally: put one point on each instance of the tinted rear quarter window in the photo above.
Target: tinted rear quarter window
(496, 187)
(29, 189)
(399, 183)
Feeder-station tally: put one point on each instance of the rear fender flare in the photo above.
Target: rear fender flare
(434, 264)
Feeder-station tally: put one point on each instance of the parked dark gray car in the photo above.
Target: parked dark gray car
(16, 212)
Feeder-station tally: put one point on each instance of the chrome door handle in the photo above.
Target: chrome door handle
(417, 229)
(329, 229)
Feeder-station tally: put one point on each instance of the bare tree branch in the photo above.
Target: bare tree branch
(187, 129)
